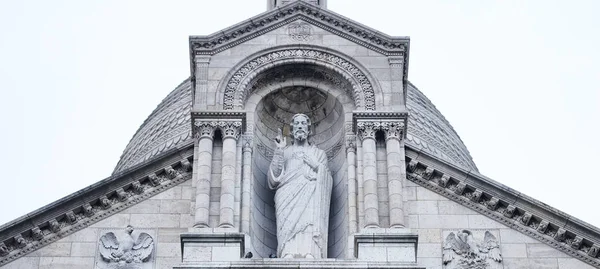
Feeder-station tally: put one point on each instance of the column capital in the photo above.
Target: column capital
(350, 143)
(247, 142)
(230, 128)
(204, 129)
(366, 129)
(393, 129)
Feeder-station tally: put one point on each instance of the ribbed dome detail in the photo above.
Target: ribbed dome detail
(166, 127)
(169, 125)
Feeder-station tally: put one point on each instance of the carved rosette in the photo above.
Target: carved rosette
(230, 129)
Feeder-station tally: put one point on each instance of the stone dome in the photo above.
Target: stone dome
(169, 126)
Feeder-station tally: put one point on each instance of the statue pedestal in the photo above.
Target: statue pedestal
(215, 247)
(386, 245)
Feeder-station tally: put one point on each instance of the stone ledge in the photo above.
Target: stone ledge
(389, 247)
(212, 247)
(300, 263)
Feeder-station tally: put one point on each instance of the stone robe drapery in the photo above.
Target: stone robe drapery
(302, 202)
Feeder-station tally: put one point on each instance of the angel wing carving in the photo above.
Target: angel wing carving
(109, 246)
(490, 247)
(142, 250)
(456, 245)
(126, 249)
(463, 248)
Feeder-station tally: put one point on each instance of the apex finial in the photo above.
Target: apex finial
(271, 4)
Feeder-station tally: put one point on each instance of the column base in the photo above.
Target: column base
(386, 245)
(212, 247)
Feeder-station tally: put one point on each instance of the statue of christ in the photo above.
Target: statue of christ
(303, 183)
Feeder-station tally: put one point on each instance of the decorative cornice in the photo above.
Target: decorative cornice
(500, 203)
(91, 205)
(367, 123)
(275, 18)
(206, 122)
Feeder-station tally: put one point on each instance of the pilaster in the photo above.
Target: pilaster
(200, 78)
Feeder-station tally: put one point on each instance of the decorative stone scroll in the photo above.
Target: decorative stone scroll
(235, 91)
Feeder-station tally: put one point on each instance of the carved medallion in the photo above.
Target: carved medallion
(125, 249)
(464, 250)
(300, 31)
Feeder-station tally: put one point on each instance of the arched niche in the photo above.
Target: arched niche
(236, 88)
(277, 95)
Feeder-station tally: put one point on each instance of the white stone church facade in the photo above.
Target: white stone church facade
(191, 190)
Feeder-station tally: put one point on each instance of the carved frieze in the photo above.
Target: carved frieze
(125, 249)
(463, 250)
(235, 90)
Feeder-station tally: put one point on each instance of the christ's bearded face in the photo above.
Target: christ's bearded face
(300, 127)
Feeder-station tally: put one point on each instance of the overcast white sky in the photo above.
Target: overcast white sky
(518, 80)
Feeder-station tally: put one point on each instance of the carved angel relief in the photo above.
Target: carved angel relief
(125, 249)
(461, 251)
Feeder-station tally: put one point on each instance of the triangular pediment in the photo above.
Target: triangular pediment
(504, 205)
(299, 10)
(95, 203)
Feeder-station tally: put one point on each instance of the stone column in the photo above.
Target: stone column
(366, 131)
(201, 78)
(246, 179)
(393, 137)
(351, 158)
(359, 187)
(204, 131)
(230, 131)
